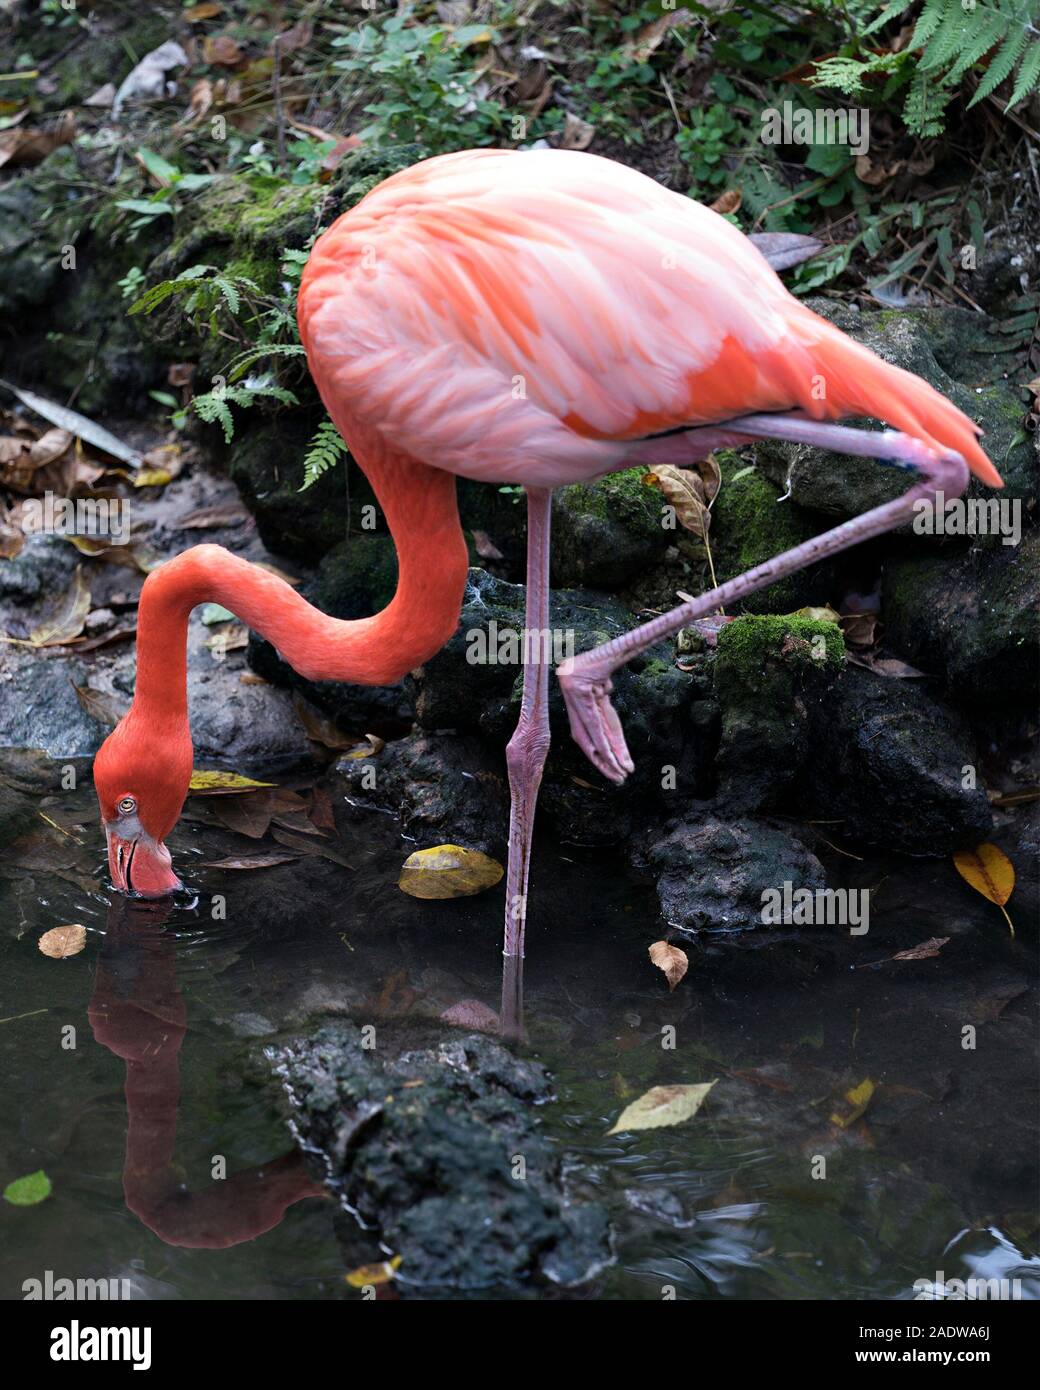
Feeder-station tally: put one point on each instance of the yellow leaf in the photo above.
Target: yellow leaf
(858, 1098)
(671, 960)
(214, 780)
(825, 614)
(663, 1105)
(990, 872)
(60, 942)
(153, 477)
(448, 871)
(373, 1274)
(67, 622)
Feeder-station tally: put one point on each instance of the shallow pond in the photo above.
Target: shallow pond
(776, 1189)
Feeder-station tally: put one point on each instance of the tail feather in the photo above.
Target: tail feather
(858, 382)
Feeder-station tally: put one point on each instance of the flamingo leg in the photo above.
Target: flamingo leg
(529, 746)
(585, 679)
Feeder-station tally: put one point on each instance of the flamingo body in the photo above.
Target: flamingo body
(533, 316)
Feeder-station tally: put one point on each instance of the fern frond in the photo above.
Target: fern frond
(323, 453)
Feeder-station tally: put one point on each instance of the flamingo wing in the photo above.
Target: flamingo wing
(524, 316)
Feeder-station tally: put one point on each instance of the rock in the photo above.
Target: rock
(433, 1165)
(712, 872)
(889, 763)
(973, 619)
(770, 674)
(950, 350)
(607, 532)
(445, 789)
(17, 814)
(39, 707)
(355, 579)
(751, 523)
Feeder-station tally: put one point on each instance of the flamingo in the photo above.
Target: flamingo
(539, 318)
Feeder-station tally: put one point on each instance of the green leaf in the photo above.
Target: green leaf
(28, 1191)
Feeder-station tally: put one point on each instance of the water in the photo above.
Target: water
(166, 1012)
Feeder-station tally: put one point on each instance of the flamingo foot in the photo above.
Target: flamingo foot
(595, 726)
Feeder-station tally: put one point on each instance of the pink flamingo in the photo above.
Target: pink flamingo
(541, 318)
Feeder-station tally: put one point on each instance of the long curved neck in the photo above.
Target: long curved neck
(420, 508)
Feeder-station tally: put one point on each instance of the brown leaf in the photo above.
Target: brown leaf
(990, 872)
(925, 951)
(319, 847)
(100, 705)
(221, 51)
(290, 40)
(207, 518)
(685, 491)
(860, 629)
(671, 960)
(248, 815)
(60, 942)
(577, 134)
(197, 13)
(30, 145)
(650, 37)
(728, 202)
(321, 812)
(319, 728)
(66, 623)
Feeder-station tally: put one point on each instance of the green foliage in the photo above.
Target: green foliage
(215, 406)
(206, 289)
(430, 90)
(28, 1191)
(323, 453)
(163, 202)
(950, 40)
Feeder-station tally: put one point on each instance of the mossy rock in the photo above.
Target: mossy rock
(770, 672)
(751, 523)
(972, 619)
(607, 532)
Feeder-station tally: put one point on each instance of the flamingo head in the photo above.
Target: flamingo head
(141, 776)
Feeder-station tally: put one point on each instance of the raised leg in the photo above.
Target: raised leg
(585, 679)
(529, 746)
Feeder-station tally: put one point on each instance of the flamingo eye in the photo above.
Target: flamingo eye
(127, 804)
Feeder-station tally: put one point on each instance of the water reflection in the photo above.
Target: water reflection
(137, 1011)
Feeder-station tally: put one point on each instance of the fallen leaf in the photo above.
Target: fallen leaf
(925, 951)
(728, 202)
(234, 637)
(686, 492)
(60, 942)
(221, 51)
(28, 1191)
(251, 861)
(77, 424)
(100, 705)
(649, 38)
(663, 1105)
(104, 96)
(67, 621)
(197, 13)
(318, 847)
(212, 781)
(448, 871)
(990, 872)
(888, 666)
(248, 815)
(857, 1099)
(471, 1013)
(30, 145)
(319, 728)
(577, 134)
(321, 813)
(826, 614)
(671, 960)
(366, 1275)
(207, 518)
(369, 748)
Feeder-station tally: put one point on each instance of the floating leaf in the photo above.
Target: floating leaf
(663, 1105)
(60, 942)
(251, 861)
(28, 1191)
(213, 781)
(990, 872)
(366, 1275)
(925, 951)
(448, 871)
(671, 960)
(857, 1099)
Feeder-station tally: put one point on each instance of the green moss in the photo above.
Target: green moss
(751, 525)
(622, 495)
(749, 643)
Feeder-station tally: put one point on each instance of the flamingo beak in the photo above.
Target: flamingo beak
(142, 867)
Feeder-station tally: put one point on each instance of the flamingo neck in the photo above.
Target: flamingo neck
(420, 508)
